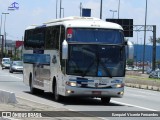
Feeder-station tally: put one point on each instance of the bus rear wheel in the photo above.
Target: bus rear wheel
(32, 89)
(105, 100)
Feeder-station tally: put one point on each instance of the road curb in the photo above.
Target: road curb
(144, 86)
(147, 87)
(7, 97)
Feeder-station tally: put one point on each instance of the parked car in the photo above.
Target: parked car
(16, 66)
(5, 63)
(154, 74)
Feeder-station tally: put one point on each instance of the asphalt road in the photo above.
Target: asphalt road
(134, 99)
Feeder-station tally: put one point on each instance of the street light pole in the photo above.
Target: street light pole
(101, 10)
(113, 11)
(56, 7)
(80, 9)
(60, 8)
(1, 25)
(5, 29)
(144, 46)
(2, 46)
(63, 12)
(118, 8)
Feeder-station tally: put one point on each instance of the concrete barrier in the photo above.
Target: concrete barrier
(128, 84)
(155, 88)
(150, 87)
(137, 86)
(7, 97)
(143, 86)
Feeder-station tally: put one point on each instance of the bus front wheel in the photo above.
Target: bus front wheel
(105, 100)
(57, 97)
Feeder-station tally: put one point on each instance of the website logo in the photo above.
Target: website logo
(14, 6)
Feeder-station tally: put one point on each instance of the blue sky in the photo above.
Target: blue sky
(39, 11)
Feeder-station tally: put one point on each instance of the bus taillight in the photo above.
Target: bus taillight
(69, 32)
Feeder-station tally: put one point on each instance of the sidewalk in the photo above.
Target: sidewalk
(29, 106)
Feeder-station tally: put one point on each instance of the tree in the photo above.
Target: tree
(151, 39)
(130, 62)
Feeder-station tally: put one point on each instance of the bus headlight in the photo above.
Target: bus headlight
(118, 85)
(73, 84)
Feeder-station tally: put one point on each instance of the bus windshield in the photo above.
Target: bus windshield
(96, 60)
(108, 36)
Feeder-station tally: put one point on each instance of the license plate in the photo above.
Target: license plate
(96, 92)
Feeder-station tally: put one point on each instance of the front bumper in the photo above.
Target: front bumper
(5, 66)
(91, 92)
(17, 69)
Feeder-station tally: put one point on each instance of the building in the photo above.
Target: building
(10, 48)
(138, 53)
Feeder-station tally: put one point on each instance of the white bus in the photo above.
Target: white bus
(75, 56)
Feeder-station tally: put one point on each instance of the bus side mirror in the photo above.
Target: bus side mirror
(64, 50)
(130, 50)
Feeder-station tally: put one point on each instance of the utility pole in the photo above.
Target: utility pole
(144, 46)
(154, 48)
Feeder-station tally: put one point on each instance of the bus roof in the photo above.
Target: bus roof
(83, 22)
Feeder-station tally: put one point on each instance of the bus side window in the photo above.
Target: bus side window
(52, 37)
(34, 38)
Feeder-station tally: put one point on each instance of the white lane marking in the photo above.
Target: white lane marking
(11, 76)
(142, 96)
(3, 75)
(16, 77)
(147, 93)
(133, 105)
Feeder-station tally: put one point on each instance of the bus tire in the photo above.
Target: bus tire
(32, 89)
(57, 97)
(105, 100)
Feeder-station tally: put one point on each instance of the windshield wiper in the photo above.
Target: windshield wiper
(106, 69)
(88, 68)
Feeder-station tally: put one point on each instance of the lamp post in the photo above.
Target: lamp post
(56, 7)
(5, 29)
(60, 8)
(101, 10)
(137, 48)
(113, 11)
(80, 9)
(2, 46)
(1, 25)
(118, 8)
(144, 46)
(63, 11)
